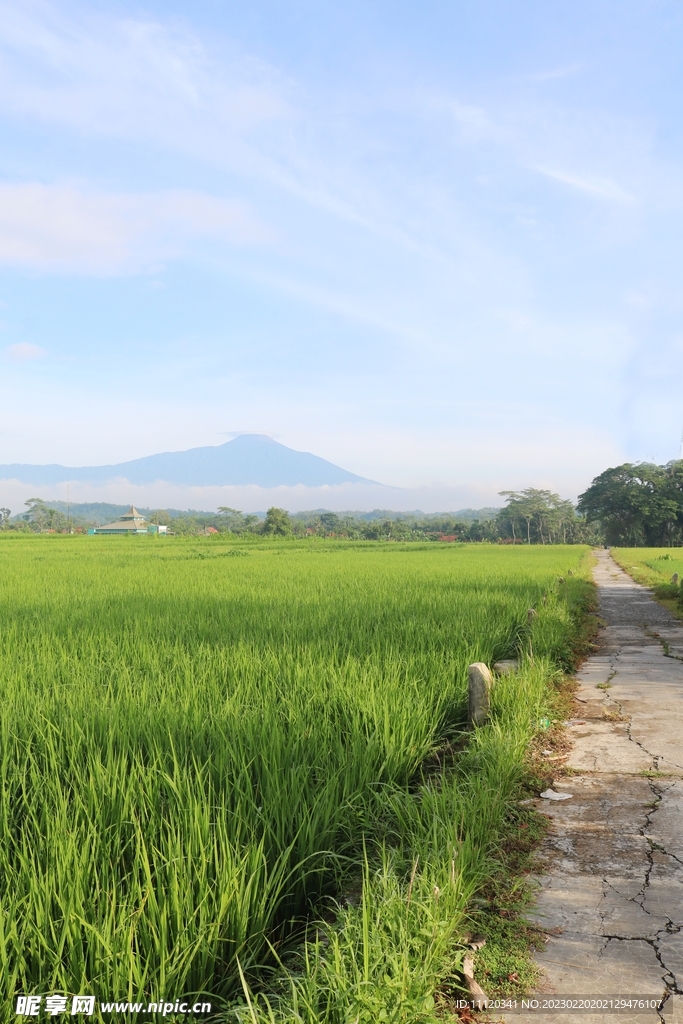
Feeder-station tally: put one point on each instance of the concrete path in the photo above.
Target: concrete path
(612, 898)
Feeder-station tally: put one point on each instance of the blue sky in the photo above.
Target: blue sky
(436, 243)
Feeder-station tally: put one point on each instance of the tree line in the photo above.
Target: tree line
(629, 505)
(530, 516)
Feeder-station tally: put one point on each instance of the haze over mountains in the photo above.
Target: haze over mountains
(249, 459)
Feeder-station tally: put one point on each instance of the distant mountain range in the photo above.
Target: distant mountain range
(247, 459)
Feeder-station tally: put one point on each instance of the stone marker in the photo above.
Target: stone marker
(502, 668)
(479, 680)
(675, 579)
(477, 994)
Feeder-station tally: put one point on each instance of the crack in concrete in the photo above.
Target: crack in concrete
(622, 852)
(661, 849)
(628, 899)
(671, 986)
(656, 758)
(671, 928)
(669, 977)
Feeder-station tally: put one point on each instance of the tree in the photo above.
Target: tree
(42, 517)
(277, 522)
(548, 517)
(234, 521)
(637, 504)
(485, 529)
(519, 506)
(330, 522)
(186, 525)
(565, 518)
(5, 513)
(531, 505)
(160, 517)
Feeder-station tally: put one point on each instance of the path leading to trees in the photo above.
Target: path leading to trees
(611, 899)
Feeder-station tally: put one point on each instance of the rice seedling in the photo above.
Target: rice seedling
(193, 748)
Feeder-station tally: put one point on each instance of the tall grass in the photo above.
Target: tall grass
(193, 746)
(396, 954)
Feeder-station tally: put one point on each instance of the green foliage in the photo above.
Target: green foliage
(277, 522)
(41, 517)
(637, 505)
(552, 521)
(194, 746)
(544, 517)
(504, 966)
(160, 517)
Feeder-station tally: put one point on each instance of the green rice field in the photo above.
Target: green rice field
(204, 741)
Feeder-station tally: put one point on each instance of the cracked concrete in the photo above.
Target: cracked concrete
(611, 897)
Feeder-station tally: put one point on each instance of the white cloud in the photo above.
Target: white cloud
(475, 123)
(425, 221)
(562, 72)
(359, 497)
(162, 84)
(603, 188)
(24, 350)
(66, 228)
(133, 78)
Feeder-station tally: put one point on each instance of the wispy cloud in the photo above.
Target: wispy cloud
(562, 72)
(163, 84)
(145, 81)
(65, 228)
(599, 187)
(476, 124)
(24, 350)
(540, 136)
(115, 76)
(404, 199)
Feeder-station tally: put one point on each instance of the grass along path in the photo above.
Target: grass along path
(441, 869)
(201, 740)
(654, 567)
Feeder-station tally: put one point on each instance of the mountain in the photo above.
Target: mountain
(247, 459)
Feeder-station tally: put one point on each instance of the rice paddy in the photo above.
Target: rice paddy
(203, 741)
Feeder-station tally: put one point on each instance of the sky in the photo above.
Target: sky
(437, 243)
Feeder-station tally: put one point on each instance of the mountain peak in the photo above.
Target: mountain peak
(248, 459)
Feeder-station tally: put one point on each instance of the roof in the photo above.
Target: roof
(130, 522)
(120, 527)
(132, 513)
